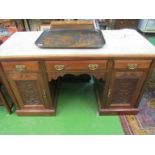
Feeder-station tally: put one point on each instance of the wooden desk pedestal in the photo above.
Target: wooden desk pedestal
(118, 83)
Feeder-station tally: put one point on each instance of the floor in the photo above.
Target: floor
(76, 114)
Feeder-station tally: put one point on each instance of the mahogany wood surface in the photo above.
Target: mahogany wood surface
(29, 65)
(124, 88)
(73, 24)
(76, 65)
(123, 64)
(34, 89)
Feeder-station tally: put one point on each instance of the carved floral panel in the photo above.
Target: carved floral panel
(29, 92)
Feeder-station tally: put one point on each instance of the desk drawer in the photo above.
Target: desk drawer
(20, 66)
(132, 64)
(76, 65)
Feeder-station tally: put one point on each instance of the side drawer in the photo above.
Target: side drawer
(132, 64)
(76, 65)
(18, 66)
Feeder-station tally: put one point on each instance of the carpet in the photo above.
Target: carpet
(144, 122)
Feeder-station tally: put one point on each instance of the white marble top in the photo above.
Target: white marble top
(125, 42)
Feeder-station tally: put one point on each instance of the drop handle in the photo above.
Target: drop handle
(132, 66)
(93, 66)
(59, 67)
(20, 68)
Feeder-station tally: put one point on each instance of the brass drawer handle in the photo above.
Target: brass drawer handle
(132, 66)
(59, 67)
(20, 68)
(93, 66)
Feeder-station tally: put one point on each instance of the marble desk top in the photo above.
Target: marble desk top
(119, 43)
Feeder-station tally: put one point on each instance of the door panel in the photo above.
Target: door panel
(27, 88)
(29, 92)
(125, 88)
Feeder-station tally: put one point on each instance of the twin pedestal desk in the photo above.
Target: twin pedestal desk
(120, 71)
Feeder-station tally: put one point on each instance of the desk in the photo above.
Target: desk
(120, 70)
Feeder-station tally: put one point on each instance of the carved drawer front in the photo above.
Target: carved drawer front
(132, 64)
(76, 65)
(20, 66)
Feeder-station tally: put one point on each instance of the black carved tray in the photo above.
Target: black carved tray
(70, 39)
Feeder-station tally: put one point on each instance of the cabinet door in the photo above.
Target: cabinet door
(28, 89)
(125, 87)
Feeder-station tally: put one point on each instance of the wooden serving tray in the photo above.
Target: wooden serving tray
(70, 39)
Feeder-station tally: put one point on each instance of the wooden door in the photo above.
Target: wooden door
(28, 89)
(128, 77)
(125, 87)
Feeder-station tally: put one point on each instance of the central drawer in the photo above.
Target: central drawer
(91, 65)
